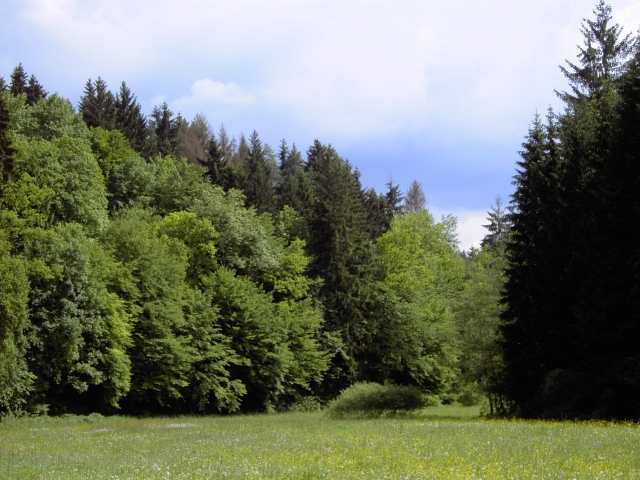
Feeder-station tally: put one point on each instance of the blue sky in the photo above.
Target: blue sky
(441, 92)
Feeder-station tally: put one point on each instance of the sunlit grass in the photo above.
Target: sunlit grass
(442, 442)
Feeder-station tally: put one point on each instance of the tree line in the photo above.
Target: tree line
(572, 319)
(150, 264)
(153, 265)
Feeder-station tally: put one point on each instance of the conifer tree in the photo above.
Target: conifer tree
(34, 91)
(339, 241)
(415, 200)
(3, 85)
(239, 159)
(227, 145)
(7, 152)
(498, 226)
(165, 129)
(259, 180)
(18, 81)
(600, 59)
(569, 286)
(216, 169)
(294, 188)
(129, 118)
(524, 334)
(97, 105)
(193, 140)
(381, 208)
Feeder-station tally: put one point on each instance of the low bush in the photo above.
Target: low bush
(306, 404)
(373, 399)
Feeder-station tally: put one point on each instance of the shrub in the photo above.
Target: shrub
(306, 404)
(373, 398)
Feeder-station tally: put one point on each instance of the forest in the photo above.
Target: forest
(152, 264)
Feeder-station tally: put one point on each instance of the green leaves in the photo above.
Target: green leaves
(423, 275)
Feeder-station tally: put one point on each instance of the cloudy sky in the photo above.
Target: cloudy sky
(441, 92)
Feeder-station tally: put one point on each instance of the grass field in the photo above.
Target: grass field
(442, 442)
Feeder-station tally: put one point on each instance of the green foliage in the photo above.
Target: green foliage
(97, 105)
(258, 185)
(572, 279)
(129, 118)
(163, 131)
(424, 277)
(181, 357)
(174, 184)
(199, 236)
(18, 81)
(478, 317)
(57, 178)
(374, 399)
(127, 176)
(245, 244)
(80, 328)
(7, 152)
(161, 354)
(16, 382)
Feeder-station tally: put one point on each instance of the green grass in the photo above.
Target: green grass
(442, 443)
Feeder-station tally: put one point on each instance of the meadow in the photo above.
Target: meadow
(441, 442)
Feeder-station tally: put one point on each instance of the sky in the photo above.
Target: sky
(439, 92)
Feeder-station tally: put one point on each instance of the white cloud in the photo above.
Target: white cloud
(333, 68)
(629, 16)
(207, 93)
(470, 229)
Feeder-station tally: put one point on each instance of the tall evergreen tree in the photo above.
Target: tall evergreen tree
(7, 152)
(498, 226)
(600, 59)
(565, 294)
(339, 241)
(3, 85)
(525, 334)
(415, 200)
(34, 91)
(165, 130)
(217, 170)
(259, 180)
(18, 81)
(381, 208)
(227, 145)
(193, 140)
(294, 187)
(129, 118)
(97, 105)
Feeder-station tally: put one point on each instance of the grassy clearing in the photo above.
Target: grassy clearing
(443, 443)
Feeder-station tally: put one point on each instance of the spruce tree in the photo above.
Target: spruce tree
(97, 105)
(18, 81)
(165, 130)
(216, 169)
(339, 241)
(294, 187)
(498, 226)
(381, 208)
(569, 286)
(34, 91)
(600, 59)
(259, 180)
(415, 200)
(525, 333)
(227, 145)
(7, 152)
(3, 85)
(129, 118)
